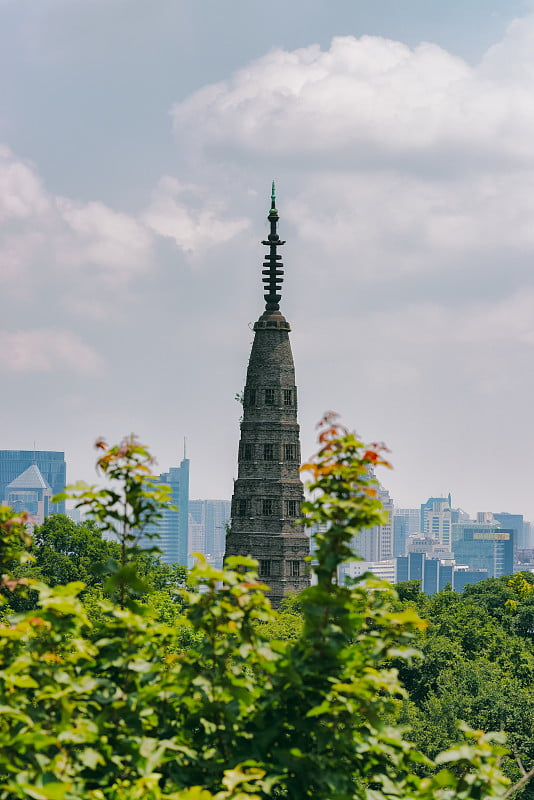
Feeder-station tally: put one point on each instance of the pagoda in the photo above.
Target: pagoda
(268, 492)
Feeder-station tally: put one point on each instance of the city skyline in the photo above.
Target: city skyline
(136, 150)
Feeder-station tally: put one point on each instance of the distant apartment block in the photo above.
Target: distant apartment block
(50, 463)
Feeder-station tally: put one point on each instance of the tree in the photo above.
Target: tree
(474, 668)
(410, 591)
(63, 551)
(67, 551)
(123, 713)
(131, 502)
(14, 539)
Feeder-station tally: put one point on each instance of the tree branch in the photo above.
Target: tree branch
(520, 783)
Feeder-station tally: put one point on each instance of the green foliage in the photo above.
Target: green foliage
(122, 709)
(286, 623)
(67, 551)
(156, 574)
(132, 501)
(63, 551)
(14, 538)
(476, 668)
(410, 591)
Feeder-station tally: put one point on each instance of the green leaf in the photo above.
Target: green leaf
(91, 758)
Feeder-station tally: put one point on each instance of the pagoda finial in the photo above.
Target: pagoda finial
(273, 267)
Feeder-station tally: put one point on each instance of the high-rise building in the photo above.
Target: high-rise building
(376, 543)
(419, 543)
(484, 545)
(171, 532)
(436, 518)
(516, 523)
(30, 492)
(436, 563)
(197, 538)
(268, 492)
(207, 529)
(434, 573)
(528, 537)
(385, 570)
(465, 576)
(51, 465)
(406, 521)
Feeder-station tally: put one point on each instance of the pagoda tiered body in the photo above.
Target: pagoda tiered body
(268, 492)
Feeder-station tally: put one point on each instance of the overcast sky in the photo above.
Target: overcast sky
(138, 141)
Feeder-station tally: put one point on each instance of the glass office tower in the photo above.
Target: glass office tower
(51, 465)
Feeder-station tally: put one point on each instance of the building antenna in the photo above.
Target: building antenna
(185, 451)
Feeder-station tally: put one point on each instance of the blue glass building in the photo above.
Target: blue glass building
(405, 522)
(30, 492)
(516, 523)
(51, 465)
(435, 574)
(465, 577)
(485, 547)
(446, 576)
(173, 529)
(211, 518)
(431, 576)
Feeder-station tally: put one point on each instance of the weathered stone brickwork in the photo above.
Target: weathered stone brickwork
(268, 491)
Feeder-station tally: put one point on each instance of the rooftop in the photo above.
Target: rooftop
(31, 478)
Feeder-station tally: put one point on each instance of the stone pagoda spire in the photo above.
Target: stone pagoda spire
(268, 491)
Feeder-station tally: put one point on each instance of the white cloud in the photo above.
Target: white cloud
(193, 220)
(89, 248)
(406, 183)
(46, 350)
(370, 98)
(398, 160)
(385, 225)
(113, 242)
(419, 329)
(21, 193)
(47, 240)
(424, 367)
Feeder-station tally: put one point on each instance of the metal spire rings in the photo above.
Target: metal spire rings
(273, 268)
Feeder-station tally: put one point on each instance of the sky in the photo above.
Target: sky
(138, 141)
